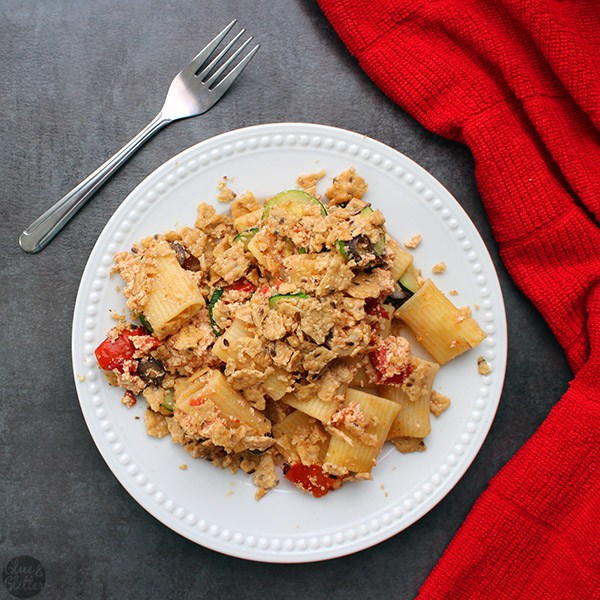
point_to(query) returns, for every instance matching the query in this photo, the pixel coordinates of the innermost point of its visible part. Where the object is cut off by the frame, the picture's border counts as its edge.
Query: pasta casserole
(270, 339)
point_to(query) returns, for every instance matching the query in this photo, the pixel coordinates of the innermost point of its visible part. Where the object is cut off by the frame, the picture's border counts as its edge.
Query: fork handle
(45, 227)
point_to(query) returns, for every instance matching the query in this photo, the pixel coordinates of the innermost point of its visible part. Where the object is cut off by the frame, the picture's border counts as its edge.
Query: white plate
(216, 508)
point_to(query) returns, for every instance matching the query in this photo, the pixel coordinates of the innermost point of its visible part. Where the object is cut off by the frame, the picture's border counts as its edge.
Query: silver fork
(196, 89)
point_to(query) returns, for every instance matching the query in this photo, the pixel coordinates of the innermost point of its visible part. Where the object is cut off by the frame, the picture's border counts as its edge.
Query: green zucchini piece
(169, 401)
(273, 300)
(292, 201)
(146, 324)
(216, 296)
(379, 245)
(398, 297)
(408, 282)
(246, 236)
(342, 248)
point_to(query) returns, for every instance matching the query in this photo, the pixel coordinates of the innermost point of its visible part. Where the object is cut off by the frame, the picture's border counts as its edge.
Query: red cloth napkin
(518, 81)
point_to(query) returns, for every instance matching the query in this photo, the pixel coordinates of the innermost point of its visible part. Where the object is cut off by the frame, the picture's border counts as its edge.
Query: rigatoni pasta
(271, 340)
(442, 329)
(278, 383)
(173, 298)
(414, 398)
(360, 431)
(413, 416)
(313, 407)
(224, 344)
(301, 438)
(211, 385)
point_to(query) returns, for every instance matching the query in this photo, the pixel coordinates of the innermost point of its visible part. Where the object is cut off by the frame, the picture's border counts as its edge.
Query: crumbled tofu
(183, 467)
(464, 313)
(128, 399)
(265, 477)
(439, 268)
(309, 182)
(156, 424)
(81, 378)
(225, 193)
(346, 186)
(231, 264)
(408, 444)
(245, 204)
(335, 470)
(438, 403)
(414, 241)
(392, 358)
(143, 344)
(482, 366)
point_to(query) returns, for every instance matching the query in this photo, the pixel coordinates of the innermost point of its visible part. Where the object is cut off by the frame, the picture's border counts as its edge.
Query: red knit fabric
(518, 81)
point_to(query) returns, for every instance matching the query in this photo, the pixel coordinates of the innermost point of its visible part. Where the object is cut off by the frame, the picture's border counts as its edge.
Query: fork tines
(206, 67)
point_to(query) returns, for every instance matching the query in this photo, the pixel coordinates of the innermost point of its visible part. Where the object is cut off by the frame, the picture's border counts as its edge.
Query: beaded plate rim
(375, 527)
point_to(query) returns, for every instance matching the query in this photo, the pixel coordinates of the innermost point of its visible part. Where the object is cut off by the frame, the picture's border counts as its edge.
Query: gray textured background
(77, 79)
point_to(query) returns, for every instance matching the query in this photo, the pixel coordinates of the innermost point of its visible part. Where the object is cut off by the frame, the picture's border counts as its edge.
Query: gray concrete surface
(77, 79)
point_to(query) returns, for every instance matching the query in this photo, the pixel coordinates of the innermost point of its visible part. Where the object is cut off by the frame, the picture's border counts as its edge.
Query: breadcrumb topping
(414, 241)
(309, 182)
(438, 403)
(482, 366)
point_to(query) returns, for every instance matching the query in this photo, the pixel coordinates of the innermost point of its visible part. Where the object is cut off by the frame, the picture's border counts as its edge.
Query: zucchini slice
(398, 297)
(359, 246)
(342, 248)
(408, 282)
(246, 236)
(146, 324)
(169, 401)
(216, 296)
(292, 201)
(273, 300)
(379, 246)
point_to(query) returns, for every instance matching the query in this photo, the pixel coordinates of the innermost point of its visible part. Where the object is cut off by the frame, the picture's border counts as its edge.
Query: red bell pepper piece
(310, 478)
(111, 354)
(374, 308)
(379, 359)
(242, 285)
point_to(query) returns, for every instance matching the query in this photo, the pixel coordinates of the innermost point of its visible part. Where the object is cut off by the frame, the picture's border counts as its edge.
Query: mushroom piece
(362, 251)
(151, 371)
(186, 260)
